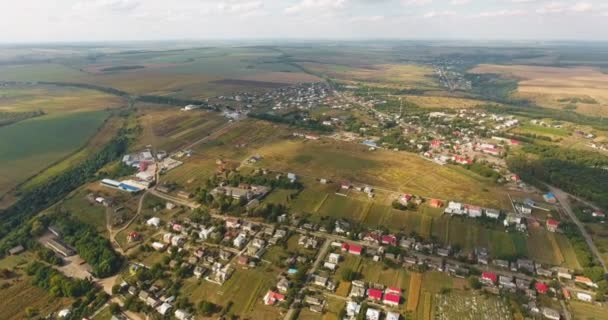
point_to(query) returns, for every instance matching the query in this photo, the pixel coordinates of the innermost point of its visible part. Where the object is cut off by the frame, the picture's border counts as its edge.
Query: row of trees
(94, 249)
(56, 283)
(41, 197)
(7, 118)
(577, 172)
(293, 119)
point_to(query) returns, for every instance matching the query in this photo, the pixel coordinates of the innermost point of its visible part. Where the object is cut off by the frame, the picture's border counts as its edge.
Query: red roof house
(541, 287)
(435, 203)
(393, 290)
(392, 299)
(552, 225)
(355, 249)
(489, 277)
(272, 297)
(389, 239)
(374, 294)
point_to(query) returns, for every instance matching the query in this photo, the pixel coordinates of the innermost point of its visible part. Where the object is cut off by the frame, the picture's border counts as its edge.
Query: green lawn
(30, 146)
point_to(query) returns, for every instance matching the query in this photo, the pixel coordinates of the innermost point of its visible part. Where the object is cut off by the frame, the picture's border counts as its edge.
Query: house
(372, 314)
(454, 208)
(492, 213)
(199, 271)
(550, 197)
(374, 294)
(292, 177)
(314, 301)
(585, 281)
(541, 287)
(392, 299)
(283, 285)
(389, 240)
(566, 294)
(544, 272)
(443, 252)
(357, 290)
(584, 297)
(333, 258)
(164, 308)
(598, 214)
(506, 282)
(404, 199)
(473, 211)
(522, 208)
(355, 249)
(205, 233)
(435, 203)
(320, 280)
(551, 314)
(182, 315)
(352, 309)
(330, 266)
(232, 223)
(525, 264)
(564, 273)
(239, 241)
(489, 278)
(64, 313)
(271, 298)
(242, 260)
(16, 250)
(407, 243)
(552, 225)
(133, 236)
(392, 316)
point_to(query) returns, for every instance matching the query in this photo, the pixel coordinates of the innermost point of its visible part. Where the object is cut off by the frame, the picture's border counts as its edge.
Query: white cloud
(116, 6)
(416, 2)
(460, 2)
(243, 8)
(305, 5)
(563, 7)
(499, 13)
(367, 19)
(435, 14)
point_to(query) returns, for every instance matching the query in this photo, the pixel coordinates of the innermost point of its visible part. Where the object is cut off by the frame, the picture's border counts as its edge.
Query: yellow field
(53, 100)
(547, 85)
(444, 102)
(384, 75)
(397, 171)
(414, 291)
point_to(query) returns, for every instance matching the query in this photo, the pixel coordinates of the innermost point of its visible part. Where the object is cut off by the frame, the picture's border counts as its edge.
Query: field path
(562, 197)
(413, 296)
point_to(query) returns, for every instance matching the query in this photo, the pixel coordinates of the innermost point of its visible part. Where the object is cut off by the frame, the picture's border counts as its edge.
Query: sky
(129, 20)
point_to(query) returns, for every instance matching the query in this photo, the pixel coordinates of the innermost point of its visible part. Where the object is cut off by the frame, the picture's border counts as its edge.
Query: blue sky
(94, 20)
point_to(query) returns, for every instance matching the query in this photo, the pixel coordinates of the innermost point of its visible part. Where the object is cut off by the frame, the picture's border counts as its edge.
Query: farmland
(385, 75)
(584, 88)
(31, 145)
(401, 172)
(20, 294)
(245, 289)
(586, 311)
(192, 73)
(462, 305)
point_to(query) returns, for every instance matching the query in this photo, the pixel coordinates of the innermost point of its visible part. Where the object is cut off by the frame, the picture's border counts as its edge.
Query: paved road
(562, 197)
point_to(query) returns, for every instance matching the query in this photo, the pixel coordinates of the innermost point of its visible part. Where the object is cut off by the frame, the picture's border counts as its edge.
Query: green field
(191, 73)
(587, 311)
(30, 146)
(20, 294)
(245, 289)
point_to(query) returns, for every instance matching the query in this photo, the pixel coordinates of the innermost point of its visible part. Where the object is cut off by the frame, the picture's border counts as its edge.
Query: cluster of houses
(244, 244)
(155, 297)
(353, 310)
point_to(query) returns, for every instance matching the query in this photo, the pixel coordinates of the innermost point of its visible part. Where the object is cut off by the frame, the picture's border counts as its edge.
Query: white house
(584, 297)
(239, 241)
(372, 314)
(153, 222)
